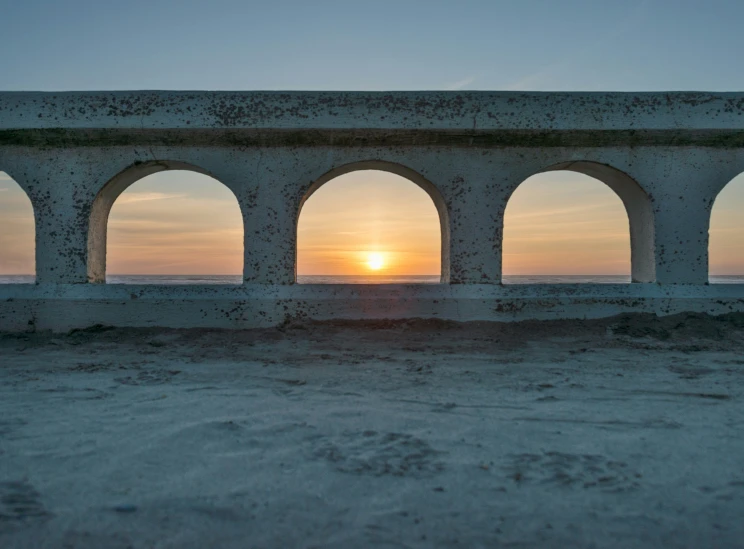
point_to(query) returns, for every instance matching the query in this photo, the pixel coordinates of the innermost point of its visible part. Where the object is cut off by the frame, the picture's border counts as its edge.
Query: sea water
(362, 279)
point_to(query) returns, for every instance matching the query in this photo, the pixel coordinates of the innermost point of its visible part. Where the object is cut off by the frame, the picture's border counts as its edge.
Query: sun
(375, 261)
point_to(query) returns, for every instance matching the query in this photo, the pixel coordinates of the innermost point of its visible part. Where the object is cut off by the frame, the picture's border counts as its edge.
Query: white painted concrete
(63, 307)
(459, 110)
(667, 156)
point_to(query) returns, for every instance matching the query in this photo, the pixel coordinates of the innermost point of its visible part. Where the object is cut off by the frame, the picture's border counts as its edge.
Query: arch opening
(165, 223)
(17, 234)
(372, 223)
(726, 235)
(578, 222)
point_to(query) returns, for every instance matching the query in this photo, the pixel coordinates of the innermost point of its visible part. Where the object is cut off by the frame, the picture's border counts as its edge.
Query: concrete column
(57, 185)
(475, 228)
(681, 243)
(270, 203)
(684, 190)
(476, 199)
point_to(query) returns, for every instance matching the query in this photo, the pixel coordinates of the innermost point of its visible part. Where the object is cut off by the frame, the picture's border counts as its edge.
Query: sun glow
(375, 261)
(368, 223)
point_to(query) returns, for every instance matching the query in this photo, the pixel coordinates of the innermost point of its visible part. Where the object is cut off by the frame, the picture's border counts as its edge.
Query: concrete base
(64, 307)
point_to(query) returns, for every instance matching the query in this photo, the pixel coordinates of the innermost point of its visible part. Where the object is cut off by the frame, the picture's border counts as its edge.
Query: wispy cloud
(460, 84)
(146, 197)
(539, 79)
(548, 77)
(526, 212)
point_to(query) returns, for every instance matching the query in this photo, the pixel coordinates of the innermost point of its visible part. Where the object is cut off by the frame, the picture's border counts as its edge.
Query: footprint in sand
(573, 471)
(20, 501)
(152, 377)
(378, 454)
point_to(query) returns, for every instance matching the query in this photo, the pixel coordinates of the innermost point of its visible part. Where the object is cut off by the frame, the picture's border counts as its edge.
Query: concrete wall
(667, 156)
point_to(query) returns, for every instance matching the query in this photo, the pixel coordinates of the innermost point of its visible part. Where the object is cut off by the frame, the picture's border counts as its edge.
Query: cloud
(549, 76)
(610, 207)
(460, 84)
(129, 198)
(539, 79)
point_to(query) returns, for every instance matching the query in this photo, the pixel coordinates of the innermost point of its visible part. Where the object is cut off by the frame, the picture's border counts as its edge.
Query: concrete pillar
(476, 200)
(270, 201)
(681, 243)
(57, 184)
(475, 229)
(684, 190)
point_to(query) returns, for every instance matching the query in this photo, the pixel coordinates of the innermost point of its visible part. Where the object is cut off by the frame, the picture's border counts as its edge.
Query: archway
(372, 222)
(726, 235)
(578, 222)
(165, 223)
(17, 234)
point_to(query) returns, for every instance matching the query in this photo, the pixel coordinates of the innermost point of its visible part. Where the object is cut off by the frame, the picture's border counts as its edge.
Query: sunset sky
(184, 223)
(365, 213)
(565, 223)
(175, 223)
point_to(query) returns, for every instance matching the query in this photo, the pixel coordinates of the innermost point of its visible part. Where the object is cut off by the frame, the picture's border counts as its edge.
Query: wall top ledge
(432, 111)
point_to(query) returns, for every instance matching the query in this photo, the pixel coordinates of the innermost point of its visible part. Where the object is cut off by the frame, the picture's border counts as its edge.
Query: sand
(624, 432)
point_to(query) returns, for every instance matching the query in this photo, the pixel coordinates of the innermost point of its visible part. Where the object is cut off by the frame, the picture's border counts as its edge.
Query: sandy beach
(625, 432)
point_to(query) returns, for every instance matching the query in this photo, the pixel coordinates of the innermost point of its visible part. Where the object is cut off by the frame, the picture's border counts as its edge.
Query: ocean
(363, 279)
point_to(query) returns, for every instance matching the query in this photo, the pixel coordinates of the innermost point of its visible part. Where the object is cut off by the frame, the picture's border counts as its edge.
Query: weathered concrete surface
(666, 155)
(66, 307)
(682, 112)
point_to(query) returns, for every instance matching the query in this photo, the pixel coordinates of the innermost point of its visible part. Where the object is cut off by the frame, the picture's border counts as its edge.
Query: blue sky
(381, 45)
(600, 45)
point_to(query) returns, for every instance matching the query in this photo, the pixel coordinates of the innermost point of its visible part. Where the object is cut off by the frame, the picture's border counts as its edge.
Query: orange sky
(175, 223)
(368, 212)
(187, 223)
(565, 223)
(726, 247)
